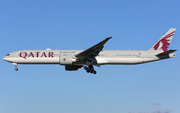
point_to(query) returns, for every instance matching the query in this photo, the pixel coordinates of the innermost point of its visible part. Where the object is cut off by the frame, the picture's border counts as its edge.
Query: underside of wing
(93, 51)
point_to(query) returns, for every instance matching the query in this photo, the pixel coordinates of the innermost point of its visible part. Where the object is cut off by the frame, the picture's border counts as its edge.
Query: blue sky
(79, 24)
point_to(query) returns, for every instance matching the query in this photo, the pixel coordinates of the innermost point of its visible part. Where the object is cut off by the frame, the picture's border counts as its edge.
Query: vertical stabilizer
(164, 42)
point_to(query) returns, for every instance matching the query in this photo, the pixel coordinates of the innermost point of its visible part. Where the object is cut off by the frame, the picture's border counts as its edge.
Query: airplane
(95, 55)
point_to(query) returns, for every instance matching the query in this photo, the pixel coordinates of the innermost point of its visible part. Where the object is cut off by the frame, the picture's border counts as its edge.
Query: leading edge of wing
(94, 50)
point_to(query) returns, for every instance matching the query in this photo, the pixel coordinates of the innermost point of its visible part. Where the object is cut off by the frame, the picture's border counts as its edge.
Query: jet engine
(72, 67)
(66, 60)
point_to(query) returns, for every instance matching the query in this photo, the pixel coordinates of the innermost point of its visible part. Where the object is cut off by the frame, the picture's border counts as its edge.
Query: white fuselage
(95, 55)
(122, 57)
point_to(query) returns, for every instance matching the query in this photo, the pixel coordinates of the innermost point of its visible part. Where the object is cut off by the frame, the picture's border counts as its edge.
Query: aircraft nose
(5, 58)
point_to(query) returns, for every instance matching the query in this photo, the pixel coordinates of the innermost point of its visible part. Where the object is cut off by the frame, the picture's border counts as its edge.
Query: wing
(92, 52)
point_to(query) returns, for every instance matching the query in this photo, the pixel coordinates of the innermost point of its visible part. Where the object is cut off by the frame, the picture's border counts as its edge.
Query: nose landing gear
(90, 69)
(15, 64)
(16, 69)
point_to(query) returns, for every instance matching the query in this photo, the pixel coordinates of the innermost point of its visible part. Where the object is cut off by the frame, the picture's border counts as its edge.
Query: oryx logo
(164, 42)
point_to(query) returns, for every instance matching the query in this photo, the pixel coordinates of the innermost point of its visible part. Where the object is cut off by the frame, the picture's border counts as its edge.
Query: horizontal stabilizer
(166, 52)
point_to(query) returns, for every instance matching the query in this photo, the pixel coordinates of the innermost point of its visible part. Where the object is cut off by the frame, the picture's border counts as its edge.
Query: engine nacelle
(72, 67)
(66, 60)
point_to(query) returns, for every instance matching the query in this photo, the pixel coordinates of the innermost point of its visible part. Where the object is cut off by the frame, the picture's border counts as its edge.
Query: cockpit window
(7, 55)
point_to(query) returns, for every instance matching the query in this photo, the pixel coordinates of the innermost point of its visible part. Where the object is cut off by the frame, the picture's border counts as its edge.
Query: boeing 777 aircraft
(95, 55)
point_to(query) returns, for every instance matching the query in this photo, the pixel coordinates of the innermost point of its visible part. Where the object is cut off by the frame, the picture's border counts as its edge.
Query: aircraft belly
(126, 61)
(36, 60)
